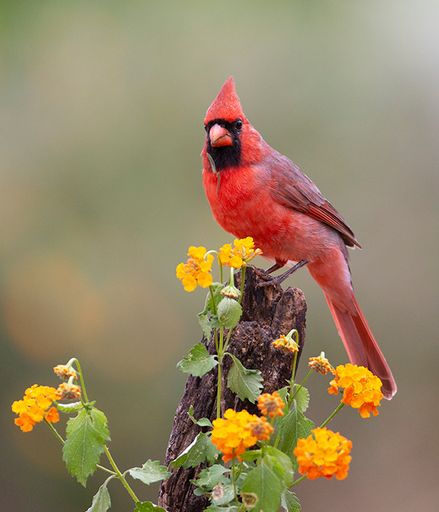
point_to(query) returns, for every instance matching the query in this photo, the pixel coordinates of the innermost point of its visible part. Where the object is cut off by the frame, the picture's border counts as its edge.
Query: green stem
(213, 300)
(220, 352)
(334, 412)
(120, 476)
(298, 480)
(235, 495)
(221, 270)
(84, 397)
(61, 440)
(293, 376)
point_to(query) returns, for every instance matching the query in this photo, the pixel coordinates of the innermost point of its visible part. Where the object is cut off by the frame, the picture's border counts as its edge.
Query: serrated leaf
(207, 323)
(206, 318)
(152, 471)
(229, 312)
(225, 496)
(209, 477)
(101, 500)
(267, 486)
(280, 463)
(87, 434)
(216, 508)
(245, 383)
(291, 427)
(200, 450)
(301, 397)
(198, 361)
(148, 506)
(290, 502)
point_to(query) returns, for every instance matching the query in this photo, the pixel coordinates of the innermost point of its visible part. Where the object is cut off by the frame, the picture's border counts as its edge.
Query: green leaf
(152, 471)
(290, 502)
(216, 508)
(229, 312)
(222, 494)
(202, 422)
(280, 463)
(101, 500)
(70, 408)
(264, 482)
(291, 427)
(245, 383)
(147, 506)
(301, 397)
(198, 361)
(200, 450)
(87, 434)
(209, 477)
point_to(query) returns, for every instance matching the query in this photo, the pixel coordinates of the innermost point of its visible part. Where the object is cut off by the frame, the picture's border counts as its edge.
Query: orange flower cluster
(286, 344)
(237, 431)
(197, 271)
(238, 255)
(320, 364)
(323, 453)
(35, 407)
(64, 372)
(362, 389)
(68, 391)
(271, 404)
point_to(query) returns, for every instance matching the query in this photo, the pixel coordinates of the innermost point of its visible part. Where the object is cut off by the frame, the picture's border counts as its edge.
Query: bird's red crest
(226, 105)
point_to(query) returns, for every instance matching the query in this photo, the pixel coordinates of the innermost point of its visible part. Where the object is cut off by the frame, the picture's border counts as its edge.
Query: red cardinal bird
(255, 191)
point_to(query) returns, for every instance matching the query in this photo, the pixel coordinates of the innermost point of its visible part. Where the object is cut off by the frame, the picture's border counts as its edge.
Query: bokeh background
(101, 108)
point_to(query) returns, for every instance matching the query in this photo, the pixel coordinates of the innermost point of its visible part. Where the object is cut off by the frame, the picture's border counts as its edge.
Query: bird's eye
(238, 124)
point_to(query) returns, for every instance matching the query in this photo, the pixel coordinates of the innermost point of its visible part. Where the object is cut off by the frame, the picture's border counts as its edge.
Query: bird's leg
(281, 278)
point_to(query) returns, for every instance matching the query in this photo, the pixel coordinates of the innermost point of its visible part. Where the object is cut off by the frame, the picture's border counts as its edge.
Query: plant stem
(298, 480)
(293, 376)
(61, 440)
(84, 397)
(334, 412)
(120, 476)
(232, 474)
(213, 300)
(220, 352)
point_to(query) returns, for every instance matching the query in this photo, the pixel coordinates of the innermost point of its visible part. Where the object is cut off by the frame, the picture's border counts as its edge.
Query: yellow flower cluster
(237, 431)
(35, 407)
(323, 453)
(286, 344)
(238, 255)
(271, 404)
(320, 364)
(197, 271)
(362, 389)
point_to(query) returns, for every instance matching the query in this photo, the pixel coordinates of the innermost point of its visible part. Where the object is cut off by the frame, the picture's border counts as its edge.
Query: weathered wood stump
(268, 311)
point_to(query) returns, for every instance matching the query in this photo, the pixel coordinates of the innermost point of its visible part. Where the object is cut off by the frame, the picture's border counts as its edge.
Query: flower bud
(229, 312)
(231, 292)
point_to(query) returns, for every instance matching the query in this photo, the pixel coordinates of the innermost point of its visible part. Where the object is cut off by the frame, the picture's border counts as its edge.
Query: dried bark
(268, 311)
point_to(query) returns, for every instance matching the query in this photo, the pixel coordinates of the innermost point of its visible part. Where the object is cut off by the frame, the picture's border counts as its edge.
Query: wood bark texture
(268, 312)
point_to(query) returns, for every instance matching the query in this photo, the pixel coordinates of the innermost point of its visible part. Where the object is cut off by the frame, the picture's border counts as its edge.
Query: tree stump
(268, 311)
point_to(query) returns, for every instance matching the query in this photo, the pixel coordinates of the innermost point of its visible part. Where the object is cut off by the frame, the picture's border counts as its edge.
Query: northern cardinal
(255, 191)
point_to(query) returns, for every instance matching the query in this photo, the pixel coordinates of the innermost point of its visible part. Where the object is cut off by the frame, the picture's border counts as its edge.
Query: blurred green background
(101, 109)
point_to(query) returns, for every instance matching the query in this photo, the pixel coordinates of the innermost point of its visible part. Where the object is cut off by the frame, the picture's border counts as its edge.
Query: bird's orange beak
(220, 137)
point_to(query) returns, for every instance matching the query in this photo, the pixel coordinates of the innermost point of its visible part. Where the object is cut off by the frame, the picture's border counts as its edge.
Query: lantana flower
(323, 454)
(65, 372)
(36, 406)
(320, 364)
(197, 271)
(286, 344)
(271, 404)
(239, 254)
(362, 389)
(237, 431)
(69, 391)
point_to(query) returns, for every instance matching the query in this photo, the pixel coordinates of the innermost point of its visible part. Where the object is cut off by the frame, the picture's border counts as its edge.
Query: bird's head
(227, 128)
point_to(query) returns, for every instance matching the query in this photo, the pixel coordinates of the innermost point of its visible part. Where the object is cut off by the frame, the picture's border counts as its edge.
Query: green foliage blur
(101, 109)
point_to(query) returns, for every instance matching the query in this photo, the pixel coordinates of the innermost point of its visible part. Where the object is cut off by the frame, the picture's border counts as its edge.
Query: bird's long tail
(361, 345)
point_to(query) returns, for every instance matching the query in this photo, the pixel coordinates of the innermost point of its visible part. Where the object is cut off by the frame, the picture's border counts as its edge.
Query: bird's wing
(293, 189)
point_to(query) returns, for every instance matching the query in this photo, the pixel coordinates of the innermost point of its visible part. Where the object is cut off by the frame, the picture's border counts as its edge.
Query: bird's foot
(277, 280)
